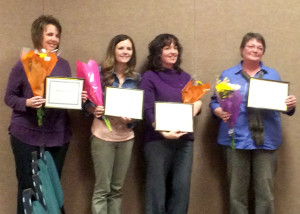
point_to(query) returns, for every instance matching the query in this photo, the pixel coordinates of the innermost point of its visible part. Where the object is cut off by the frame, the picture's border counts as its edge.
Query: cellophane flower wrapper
(230, 101)
(92, 83)
(193, 91)
(37, 66)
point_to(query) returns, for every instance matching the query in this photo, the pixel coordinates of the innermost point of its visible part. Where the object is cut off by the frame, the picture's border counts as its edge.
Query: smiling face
(169, 55)
(123, 51)
(51, 37)
(253, 50)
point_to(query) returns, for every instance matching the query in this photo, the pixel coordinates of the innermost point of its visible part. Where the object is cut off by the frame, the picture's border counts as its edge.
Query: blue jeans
(258, 165)
(168, 176)
(111, 162)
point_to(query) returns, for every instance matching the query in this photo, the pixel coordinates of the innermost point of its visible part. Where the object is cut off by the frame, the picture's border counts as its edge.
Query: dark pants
(256, 165)
(168, 176)
(22, 153)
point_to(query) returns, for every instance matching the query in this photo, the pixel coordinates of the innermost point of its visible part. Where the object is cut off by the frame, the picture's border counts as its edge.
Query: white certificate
(267, 94)
(124, 102)
(63, 92)
(171, 116)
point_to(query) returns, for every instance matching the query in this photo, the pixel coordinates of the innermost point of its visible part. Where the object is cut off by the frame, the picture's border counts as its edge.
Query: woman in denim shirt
(111, 150)
(257, 133)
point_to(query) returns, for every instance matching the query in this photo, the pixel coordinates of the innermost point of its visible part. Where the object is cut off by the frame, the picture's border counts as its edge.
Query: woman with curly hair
(168, 155)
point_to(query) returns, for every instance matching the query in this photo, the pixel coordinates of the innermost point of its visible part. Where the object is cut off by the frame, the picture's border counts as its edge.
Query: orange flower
(193, 91)
(37, 66)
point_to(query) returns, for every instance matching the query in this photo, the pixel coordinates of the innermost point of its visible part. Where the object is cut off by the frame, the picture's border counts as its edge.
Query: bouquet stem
(231, 133)
(107, 122)
(40, 113)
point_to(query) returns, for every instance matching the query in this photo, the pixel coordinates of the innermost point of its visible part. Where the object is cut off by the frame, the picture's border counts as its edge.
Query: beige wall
(210, 32)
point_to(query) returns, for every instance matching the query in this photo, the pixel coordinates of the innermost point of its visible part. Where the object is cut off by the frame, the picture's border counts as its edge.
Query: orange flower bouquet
(193, 91)
(37, 66)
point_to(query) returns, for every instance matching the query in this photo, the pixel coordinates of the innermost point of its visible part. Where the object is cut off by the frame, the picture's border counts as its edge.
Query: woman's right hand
(99, 111)
(35, 102)
(172, 134)
(222, 114)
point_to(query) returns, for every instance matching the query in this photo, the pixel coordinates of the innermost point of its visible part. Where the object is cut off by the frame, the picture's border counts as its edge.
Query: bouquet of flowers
(193, 91)
(230, 101)
(92, 84)
(37, 66)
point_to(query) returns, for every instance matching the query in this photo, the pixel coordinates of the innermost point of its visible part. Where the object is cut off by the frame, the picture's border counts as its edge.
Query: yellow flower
(223, 86)
(42, 55)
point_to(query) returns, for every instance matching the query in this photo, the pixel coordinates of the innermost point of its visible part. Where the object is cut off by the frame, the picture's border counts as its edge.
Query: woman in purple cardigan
(26, 135)
(168, 155)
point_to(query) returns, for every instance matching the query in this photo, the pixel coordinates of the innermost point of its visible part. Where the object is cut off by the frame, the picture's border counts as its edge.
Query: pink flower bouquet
(92, 83)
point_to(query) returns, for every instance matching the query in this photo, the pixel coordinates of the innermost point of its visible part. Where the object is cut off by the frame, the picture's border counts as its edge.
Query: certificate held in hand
(267, 94)
(123, 102)
(63, 92)
(171, 116)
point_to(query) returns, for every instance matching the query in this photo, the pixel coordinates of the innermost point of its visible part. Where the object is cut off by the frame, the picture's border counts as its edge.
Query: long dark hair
(108, 65)
(155, 50)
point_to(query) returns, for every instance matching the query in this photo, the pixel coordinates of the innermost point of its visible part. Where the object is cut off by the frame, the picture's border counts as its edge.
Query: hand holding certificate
(173, 117)
(268, 94)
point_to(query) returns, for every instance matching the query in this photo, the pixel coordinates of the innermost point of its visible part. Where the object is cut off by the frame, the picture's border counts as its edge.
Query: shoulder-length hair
(108, 65)
(155, 50)
(38, 26)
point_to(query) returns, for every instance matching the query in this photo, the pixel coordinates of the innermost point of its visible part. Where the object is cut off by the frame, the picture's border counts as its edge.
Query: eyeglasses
(253, 47)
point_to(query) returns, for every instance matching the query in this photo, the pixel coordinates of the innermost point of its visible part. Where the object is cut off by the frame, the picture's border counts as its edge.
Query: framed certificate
(124, 102)
(267, 94)
(171, 116)
(63, 92)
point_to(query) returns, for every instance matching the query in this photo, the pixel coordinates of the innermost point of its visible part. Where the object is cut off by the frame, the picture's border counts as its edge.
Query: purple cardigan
(161, 86)
(56, 129)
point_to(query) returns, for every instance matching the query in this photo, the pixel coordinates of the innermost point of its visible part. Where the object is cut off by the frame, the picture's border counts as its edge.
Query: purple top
(163, 86)
(55, 130)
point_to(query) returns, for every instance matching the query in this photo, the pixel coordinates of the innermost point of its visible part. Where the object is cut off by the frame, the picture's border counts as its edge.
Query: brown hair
(108, 65)
(38, 27)
(155, 50)
(250, 36)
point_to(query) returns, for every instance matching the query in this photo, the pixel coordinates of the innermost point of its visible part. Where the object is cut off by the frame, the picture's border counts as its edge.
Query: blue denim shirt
(272, 122)
(128, 83)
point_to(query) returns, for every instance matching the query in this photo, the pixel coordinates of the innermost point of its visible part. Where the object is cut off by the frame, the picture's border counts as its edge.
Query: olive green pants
(111, 162)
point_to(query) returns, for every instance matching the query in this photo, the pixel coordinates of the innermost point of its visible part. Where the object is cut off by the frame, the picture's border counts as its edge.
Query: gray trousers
(111, 162)
(244, 165)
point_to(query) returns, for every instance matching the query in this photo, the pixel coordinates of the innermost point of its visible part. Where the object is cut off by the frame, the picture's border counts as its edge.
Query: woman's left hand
(290, 102)
(197, 107)
(84, 96)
